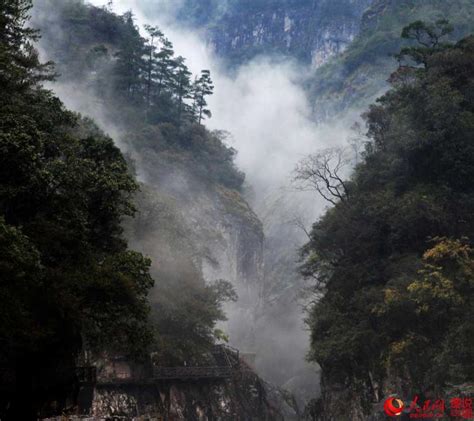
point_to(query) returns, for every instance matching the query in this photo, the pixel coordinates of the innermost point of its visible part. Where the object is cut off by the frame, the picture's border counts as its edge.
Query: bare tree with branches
(323, 172)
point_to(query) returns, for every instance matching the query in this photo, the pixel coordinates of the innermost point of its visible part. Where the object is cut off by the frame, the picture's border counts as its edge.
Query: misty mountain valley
(236, 210)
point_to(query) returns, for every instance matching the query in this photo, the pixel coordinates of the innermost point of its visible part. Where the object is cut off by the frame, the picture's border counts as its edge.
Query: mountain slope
(187, 170)
(358, 75)
(393, 257)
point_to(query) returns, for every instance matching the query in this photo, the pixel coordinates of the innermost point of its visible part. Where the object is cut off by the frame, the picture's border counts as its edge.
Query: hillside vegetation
(71, 287)
(394, 257)
(68, 280)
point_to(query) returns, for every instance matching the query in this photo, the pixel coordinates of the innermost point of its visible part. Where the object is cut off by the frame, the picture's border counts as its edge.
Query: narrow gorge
(236, 210)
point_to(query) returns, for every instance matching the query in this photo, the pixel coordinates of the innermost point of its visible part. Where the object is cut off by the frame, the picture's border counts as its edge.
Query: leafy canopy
(393, 259)
(67, 278)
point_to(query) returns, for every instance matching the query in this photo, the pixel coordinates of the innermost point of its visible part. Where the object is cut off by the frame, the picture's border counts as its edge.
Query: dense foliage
(67, 277)
(393, 257)
(142, 87)
(68, 282)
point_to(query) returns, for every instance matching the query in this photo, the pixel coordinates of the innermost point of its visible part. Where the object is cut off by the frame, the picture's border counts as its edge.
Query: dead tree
(324, 172)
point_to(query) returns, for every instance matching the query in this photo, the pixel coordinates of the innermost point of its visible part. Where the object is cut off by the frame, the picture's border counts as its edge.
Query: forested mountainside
(357, 76)
(194, 221)
(68, 279)
(309, 30)
(133, 79)
(69, 196)
(393, 257)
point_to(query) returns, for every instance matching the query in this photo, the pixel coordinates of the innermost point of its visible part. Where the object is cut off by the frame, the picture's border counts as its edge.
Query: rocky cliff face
(237, 256)
(307, 31)
(122, 394)
(227, 235)
(246, 398)
(243, 399)
(312, 30)
(375, 12)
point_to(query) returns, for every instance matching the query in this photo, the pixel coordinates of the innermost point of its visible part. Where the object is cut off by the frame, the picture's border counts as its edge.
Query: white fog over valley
(263, 106)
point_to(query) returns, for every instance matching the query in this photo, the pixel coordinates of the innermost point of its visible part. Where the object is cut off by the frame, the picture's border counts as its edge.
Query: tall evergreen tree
(182, 85)
(165, 65)
(151, 63)
(19, 61)
(130, 61)
(203, 87)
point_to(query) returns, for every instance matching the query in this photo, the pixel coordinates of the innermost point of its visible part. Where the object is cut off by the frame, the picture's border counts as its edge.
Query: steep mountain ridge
(174, 163)
(309, 30)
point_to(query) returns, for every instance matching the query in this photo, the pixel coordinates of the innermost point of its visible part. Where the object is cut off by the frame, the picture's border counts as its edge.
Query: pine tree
(182, 85)
(130, 60)
(20, 67)
(164, 65)
(202, 87)
(151, 64)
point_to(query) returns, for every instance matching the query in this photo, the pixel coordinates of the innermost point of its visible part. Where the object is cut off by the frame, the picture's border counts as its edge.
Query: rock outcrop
(311, 30)
(127, 391)
(226, 236)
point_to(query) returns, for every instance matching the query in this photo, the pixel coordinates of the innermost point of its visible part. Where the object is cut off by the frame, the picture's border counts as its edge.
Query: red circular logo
(393, 407)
